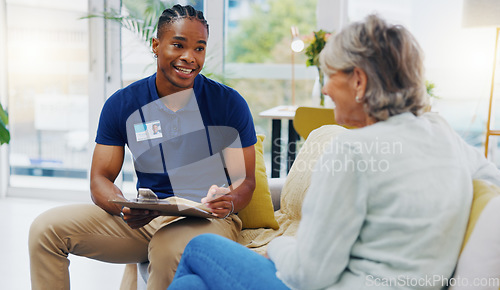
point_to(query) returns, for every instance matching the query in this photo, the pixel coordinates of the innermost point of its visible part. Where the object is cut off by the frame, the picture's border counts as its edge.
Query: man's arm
(107, 162)
(106, 165)
(240, 164)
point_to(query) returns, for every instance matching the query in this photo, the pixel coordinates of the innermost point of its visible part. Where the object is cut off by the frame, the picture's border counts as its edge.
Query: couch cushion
(479, 263)
(259, 213)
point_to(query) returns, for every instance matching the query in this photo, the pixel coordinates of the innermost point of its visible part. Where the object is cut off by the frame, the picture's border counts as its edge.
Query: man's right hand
(137, 218)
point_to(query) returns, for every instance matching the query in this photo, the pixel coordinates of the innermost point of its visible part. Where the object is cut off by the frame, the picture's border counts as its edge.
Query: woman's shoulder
(435, 118)
(395, 130)
(402, 123)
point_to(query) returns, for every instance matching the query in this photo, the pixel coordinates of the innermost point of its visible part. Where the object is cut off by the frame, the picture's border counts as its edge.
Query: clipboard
(170, 206)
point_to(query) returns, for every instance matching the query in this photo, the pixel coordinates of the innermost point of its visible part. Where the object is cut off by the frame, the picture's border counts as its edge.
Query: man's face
(181, 55)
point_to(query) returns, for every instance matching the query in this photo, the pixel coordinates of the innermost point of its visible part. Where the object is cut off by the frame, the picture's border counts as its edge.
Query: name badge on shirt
(147, 131)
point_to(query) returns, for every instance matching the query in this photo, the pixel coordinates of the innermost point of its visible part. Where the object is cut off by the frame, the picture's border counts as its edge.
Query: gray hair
(392, 60)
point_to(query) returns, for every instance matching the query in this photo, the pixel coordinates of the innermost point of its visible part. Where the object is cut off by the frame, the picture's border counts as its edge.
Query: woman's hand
(137, 218)
(219, 201)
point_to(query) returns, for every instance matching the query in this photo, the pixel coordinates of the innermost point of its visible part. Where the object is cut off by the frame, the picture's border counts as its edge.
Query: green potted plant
(430, 86)
(316, 43)
(4, 121)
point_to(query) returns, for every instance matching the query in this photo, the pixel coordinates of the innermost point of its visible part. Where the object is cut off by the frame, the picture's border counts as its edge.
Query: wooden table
(277, 114)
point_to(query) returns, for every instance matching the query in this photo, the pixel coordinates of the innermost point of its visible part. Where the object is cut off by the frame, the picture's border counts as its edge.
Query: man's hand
(137, 218)
(219, 201)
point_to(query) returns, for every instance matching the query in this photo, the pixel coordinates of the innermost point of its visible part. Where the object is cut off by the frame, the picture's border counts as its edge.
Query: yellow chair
(308, 119)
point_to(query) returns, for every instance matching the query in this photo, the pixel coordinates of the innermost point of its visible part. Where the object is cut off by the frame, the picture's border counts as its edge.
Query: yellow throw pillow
(259, 213)
(484, 192)
(479, 259)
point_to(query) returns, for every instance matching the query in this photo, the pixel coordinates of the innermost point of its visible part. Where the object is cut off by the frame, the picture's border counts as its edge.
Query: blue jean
(213, 262)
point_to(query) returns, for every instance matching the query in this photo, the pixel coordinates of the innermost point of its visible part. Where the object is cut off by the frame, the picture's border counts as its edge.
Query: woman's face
(343, 88)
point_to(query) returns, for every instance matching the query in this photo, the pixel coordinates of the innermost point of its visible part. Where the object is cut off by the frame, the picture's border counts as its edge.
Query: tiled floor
(16, 215)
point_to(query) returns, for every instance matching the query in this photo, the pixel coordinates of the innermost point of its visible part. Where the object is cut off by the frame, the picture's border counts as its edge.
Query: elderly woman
(393, 210)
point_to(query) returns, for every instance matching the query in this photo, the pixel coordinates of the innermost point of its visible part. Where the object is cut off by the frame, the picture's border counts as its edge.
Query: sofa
(282, 202)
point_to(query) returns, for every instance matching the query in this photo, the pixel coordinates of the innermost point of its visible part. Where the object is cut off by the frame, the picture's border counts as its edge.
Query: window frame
(4, 156)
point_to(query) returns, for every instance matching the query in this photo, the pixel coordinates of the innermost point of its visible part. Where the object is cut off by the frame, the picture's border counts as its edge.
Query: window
(258, 57)
(47, 52)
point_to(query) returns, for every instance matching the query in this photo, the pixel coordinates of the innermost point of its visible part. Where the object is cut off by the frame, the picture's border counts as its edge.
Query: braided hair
(179, 12)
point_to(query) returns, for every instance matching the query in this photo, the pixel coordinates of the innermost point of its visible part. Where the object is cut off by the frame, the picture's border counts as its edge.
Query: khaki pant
(87, 230)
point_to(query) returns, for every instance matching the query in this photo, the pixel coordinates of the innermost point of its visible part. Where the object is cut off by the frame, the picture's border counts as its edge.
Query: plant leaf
(4, 116)
(4, 133)
(140, 17)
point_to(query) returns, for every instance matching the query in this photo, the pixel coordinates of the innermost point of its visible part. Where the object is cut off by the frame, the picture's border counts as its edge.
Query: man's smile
(183, 70)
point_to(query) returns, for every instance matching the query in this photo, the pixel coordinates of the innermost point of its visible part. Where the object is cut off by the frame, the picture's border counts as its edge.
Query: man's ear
(155, 41)
(359, 81)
